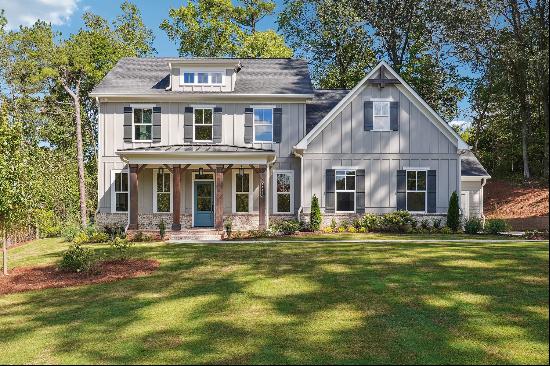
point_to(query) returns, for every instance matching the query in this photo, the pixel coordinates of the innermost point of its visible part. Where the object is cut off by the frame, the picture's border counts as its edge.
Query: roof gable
(405, 88)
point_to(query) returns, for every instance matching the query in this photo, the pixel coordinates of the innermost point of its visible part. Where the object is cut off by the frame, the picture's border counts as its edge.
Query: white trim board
(405, 89)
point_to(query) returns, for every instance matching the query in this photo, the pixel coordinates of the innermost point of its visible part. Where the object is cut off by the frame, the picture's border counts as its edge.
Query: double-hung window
(416, 190)
(216, 78)
(381, 116)
(189, 78)
(263, 124)
(143, 124)
(203, 124)
(120, 192)
(283, 202)
(202, 78)
(345, 190)
(242, 191)
(162, 200)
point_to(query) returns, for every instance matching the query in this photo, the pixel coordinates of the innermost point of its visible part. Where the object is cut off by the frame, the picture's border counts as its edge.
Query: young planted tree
(315, 217)
(453, 213)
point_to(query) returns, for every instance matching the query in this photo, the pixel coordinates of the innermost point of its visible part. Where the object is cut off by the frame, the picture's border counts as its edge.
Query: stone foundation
(241, 222)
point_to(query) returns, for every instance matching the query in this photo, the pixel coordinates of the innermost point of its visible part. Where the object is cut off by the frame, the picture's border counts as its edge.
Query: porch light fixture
(201, 171)
(241, 171)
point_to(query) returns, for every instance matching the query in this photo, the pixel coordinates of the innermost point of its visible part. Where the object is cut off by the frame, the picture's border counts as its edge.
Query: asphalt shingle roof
(322, 103)
(470, 166)
(134, 75)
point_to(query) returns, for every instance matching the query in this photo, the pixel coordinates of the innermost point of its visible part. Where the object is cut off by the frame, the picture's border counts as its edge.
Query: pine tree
(453, 214)
(315, 214)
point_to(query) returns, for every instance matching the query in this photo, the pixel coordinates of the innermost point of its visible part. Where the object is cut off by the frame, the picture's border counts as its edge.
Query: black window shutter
(360, 191)
(368, 108)
(394, 116)
(401, 189)
(217, 128)
(156, 124)
(128, 124)
(432, 188)
(277, 124)
(248, 125)
(330, 188)
(188, 124)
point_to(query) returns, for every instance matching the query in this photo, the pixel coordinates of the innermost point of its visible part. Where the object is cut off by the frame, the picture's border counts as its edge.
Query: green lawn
(292, 303)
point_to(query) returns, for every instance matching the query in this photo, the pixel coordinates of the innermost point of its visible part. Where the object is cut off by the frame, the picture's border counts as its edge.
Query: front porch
(197, 186)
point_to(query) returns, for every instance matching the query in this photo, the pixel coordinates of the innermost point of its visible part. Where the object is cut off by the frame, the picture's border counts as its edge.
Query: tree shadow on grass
(303, 303)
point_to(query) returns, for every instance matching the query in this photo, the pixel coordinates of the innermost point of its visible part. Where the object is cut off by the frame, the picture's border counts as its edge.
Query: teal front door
(204, 204)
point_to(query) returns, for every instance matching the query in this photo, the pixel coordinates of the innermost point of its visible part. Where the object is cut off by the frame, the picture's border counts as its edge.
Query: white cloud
(26, 12)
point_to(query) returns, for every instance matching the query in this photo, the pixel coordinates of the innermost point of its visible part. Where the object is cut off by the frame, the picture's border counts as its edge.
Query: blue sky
(66, 16)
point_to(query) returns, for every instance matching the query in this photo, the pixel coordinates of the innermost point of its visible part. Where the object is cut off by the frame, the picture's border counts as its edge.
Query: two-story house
(195, 142)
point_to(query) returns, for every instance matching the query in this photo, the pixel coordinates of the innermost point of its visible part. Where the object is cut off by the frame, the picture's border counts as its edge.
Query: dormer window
(202, 78)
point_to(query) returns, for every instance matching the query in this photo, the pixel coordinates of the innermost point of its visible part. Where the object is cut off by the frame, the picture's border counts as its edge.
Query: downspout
(268, 189)
(301, 208)
(169, 87)
(483, 182)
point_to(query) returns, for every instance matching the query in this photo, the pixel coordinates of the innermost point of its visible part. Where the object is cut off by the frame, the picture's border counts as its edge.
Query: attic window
(381, 116)
(201, 78)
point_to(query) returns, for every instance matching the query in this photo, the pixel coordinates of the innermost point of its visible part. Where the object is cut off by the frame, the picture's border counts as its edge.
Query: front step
(193, 235)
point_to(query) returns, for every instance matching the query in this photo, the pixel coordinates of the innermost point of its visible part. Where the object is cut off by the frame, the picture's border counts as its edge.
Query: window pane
(421, 180)
(263, 116)
(381, 108)
(142, 132)
(264, 133)
(124, 181)
(340, 182)
(241, 202)
(189, 77)
(163, 202)
(283, 202)
(159, 182)
(208, 116)
(344, 201)
(381, 123)
(411, 180)
(166, 181)
(137, 115)
(148, 116)
(242, 182)
(416, 201)
(204, 204)
(118, 183)
(199, 116)
(216, 77)
(204, 190)
(202, 78)
(283, 183)
(350, 182)
(121, 202)
(203, 133)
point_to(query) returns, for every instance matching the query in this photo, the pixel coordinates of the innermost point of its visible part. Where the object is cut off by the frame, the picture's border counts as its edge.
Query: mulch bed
(36, 278)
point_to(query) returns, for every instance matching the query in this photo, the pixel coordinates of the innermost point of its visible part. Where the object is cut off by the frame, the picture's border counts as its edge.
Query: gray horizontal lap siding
(417, 143)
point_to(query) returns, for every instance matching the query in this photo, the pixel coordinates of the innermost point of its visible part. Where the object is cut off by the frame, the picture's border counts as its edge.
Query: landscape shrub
(315, 217)
(140, 236)
(371, 222)
(259, 233)
(228, 226)
(357, 223)
(48, 224)
(286, 227)
(453, 213)
(114, 231)
(162, 229)
(495, 226)
(352, 229)
(78, 259)
(446, 230)
(333, 225)
(436, 223)
(69, 231)
(90, 235)
(305, 227)
(398, 221)
(473, 225)
(425, 224)
(121, 248)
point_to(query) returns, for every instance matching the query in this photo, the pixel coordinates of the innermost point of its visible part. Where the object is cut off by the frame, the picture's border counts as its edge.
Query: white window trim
(410, 169)
(262, 124)
(114, 192)
(382, 100)
(276, 194)
(155, 208)
(344, 191)
(196, 77)
(234, 173)
(211, 124)
(141, 106)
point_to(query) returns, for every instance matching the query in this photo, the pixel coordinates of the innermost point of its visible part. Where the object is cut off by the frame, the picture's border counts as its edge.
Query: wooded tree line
(45, 78)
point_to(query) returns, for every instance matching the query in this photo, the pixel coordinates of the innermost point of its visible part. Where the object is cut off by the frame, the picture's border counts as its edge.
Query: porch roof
(197, 154)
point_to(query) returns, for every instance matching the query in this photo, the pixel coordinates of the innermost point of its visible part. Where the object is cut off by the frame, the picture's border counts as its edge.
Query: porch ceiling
(197, 154)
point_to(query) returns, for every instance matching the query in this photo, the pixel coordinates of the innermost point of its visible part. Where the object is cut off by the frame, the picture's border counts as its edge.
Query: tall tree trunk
(75, 95)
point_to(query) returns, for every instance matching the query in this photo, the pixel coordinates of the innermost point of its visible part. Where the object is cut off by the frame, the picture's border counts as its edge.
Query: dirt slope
(525, 207)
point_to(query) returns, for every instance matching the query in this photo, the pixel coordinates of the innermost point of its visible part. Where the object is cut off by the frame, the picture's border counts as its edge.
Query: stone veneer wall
(146, 221)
